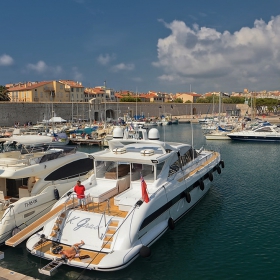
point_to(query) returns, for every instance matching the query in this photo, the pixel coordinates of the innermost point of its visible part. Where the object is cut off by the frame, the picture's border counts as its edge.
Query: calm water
(232, 234)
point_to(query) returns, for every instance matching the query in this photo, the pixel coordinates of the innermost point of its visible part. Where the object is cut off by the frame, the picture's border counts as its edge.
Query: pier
(7, 274)
(91, 142)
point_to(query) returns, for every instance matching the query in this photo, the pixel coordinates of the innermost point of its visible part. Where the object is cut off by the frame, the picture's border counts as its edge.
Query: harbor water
(231, 234)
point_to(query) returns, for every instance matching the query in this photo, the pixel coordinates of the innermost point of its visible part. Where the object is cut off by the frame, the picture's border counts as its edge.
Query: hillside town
(74, 91)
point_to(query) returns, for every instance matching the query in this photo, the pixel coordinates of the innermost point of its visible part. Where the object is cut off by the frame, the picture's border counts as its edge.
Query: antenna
(105, 104)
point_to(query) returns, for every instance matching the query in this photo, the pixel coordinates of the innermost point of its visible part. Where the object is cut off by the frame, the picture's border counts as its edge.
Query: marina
(235, 225)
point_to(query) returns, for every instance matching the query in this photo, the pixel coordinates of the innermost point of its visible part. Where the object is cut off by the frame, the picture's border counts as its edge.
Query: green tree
(178, 100)
(129, 99)
(4, 94)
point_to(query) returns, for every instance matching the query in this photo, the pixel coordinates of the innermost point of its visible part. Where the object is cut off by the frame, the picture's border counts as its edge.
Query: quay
(7, 274)
(90, 142)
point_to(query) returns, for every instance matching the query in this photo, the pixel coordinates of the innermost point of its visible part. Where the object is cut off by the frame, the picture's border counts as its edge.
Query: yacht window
(159, 168)
(264, 129)
(71, 170)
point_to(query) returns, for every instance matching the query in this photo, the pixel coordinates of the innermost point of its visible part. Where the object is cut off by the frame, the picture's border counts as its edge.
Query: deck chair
(4, 200)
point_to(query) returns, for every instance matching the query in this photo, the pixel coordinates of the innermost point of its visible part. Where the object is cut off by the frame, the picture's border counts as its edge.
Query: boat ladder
(51, 268)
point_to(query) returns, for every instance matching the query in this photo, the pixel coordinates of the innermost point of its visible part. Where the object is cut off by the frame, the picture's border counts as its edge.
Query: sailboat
(218, 133)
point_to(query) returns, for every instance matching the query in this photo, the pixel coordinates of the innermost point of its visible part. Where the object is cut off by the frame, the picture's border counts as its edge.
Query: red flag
(145, 196)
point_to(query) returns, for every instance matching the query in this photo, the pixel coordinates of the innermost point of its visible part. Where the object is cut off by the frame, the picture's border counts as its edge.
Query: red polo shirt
(80, 191)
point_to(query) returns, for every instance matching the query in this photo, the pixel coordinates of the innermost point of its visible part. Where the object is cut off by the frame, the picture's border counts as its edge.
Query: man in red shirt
(80, 191)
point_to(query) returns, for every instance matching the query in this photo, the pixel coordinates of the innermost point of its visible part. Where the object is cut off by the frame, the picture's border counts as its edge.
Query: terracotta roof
(72, 83)
(28, 86)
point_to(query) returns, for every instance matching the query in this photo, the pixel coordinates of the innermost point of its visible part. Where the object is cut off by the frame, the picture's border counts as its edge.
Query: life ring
(147, 152)
(188, 197)
(119, 150)
(201, 185)
(222, 163)
(210, 175)
(171, 223)
(145, 251)
(218, 168)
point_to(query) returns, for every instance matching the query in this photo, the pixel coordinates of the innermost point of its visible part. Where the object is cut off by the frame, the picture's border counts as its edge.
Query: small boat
(208, 120)
(32, 178)
(140, 189)
(264, 133)
(217, 135)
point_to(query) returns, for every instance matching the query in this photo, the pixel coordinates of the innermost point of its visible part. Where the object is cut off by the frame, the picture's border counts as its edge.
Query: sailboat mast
(136, 104)
(219, 108)
(105, 104)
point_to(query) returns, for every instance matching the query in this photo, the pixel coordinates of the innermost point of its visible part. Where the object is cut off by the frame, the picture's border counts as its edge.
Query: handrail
(103, 215)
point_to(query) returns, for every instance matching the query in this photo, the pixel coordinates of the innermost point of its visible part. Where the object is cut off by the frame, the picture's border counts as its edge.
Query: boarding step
(108, 239)
(51, 268)
(114, 223)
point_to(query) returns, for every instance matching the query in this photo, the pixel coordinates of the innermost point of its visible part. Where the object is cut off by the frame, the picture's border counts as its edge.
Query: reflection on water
(231, 234)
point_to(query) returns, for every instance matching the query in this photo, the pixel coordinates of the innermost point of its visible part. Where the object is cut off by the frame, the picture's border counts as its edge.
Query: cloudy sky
(159, 45)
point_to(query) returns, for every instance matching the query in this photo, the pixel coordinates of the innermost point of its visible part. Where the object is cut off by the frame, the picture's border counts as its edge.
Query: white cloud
(122, 66)
(41, 67)
(78, 76)
(249, 57)
(6, 60)
(137, 79)
(105, 59)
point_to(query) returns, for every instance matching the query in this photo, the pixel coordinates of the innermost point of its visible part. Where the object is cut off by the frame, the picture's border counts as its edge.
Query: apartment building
(46, 91)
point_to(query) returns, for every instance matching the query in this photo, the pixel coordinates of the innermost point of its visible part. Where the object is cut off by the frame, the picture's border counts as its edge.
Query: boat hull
(255, 138)
(157, 217)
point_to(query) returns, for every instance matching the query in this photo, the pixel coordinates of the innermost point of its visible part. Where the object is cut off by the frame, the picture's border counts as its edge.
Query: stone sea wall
(11, 112)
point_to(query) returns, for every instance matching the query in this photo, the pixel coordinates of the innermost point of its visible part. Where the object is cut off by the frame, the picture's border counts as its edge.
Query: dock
(89, 142)
(7, 274)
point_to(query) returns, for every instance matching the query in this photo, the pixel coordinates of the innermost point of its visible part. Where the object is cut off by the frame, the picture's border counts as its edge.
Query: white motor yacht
(264, 133)
(32, 178)
(140, 188)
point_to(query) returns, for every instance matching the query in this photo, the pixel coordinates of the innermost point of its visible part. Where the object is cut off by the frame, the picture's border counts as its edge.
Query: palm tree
(4, 94)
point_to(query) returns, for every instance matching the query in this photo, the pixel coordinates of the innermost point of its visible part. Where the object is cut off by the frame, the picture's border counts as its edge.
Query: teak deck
(32, 228)
(91, 207)
(95, 257)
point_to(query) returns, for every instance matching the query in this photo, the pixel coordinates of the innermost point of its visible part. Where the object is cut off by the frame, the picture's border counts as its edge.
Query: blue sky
(159, 45)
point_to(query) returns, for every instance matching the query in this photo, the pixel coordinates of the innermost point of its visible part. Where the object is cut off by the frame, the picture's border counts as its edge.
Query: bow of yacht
(33, 178)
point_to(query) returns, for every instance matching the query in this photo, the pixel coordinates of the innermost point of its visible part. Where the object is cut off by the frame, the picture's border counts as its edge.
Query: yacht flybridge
(33, 177)
(140, 188)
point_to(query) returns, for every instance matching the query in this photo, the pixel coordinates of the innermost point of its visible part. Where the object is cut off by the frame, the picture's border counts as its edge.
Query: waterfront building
(188, 96)
(46, 91)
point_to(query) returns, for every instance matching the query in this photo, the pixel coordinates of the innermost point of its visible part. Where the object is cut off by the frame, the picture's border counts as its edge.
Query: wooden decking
(29, 230)
(103, 207)
(212, 158)
(94, 257)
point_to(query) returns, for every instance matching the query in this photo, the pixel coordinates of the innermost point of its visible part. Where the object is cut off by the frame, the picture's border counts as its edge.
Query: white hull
(125, 226)
(216, 136)
(33, 200)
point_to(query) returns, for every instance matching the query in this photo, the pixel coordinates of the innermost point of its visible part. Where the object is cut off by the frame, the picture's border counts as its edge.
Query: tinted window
(71, 170)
